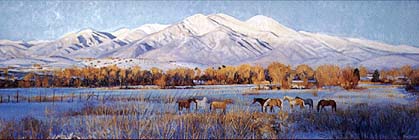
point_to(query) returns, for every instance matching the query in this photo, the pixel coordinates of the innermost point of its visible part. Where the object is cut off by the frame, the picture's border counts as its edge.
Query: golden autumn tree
(363, 71)
(123, 74)
(27, 80)
(135, 75)
(161, 82)
(258, 75)
(209, 75)
(45, 81)
(304, 72)
(348, 78)
(113, 74)
(156, 74)
(327, 75)
(280, 74)
(406, 70)
(414, 77)
(198, 73)
(226, 75)
(243, 71)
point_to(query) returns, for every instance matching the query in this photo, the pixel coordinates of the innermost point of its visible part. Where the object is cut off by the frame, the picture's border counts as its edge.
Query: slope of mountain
(215, 40)
(71, 43)
(13, 49)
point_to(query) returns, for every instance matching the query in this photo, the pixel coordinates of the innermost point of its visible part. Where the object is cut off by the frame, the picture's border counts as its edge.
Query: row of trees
(275, 73)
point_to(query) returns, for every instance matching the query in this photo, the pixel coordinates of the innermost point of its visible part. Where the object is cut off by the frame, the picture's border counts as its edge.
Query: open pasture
(377, 111)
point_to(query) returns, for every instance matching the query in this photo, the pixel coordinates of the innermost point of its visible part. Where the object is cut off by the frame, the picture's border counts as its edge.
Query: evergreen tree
(376, 76)
(356, 73)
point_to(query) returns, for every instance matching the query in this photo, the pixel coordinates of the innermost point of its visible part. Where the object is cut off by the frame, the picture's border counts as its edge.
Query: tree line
(274, 74)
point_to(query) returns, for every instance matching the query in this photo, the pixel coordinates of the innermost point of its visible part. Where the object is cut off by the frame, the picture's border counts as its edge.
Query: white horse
(202, 103)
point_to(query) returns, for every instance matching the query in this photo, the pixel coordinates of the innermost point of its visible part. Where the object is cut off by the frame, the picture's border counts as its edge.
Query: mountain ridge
(216, 39)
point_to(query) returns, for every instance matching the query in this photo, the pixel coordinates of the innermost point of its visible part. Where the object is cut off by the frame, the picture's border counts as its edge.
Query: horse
(202, 103)
(261, 101)
(186, 104)
(307, 101)
(323, 103)
(220, 104)
(294, 102)
(268, 102)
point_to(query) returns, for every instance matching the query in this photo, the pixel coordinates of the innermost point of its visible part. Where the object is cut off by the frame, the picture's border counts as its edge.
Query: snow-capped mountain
(71, 43)
(13, 49)
(138, 33)
(219, 39)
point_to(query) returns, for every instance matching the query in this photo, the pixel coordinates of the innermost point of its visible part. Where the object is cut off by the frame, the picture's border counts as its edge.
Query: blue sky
(394, 22)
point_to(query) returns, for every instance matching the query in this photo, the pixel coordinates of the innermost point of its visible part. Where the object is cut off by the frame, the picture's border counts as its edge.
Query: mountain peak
(195, 17)
(86, 31)
(120, 31)
(152, 28)
(265, 23)
(261, 18)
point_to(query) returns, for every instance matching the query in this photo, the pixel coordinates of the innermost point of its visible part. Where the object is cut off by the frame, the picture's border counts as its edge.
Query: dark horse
(323, 103)
(185, 104)
(261, 101)
(268, 102)
(307, 101)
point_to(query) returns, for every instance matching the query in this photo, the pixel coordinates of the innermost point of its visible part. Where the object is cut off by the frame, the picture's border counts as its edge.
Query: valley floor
(374, 111)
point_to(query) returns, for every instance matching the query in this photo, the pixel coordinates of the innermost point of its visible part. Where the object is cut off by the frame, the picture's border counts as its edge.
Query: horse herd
(264, 103)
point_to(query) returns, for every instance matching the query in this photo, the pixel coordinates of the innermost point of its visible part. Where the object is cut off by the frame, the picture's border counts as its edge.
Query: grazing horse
(323, 103)
(220, 104)
(185, 104)
(307, 101)
(294, 102)
(268, 102)
(202, 103)
(261, 101)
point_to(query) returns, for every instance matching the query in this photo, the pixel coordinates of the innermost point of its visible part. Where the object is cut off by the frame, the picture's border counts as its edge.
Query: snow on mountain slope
(221, 46)
(71, 43)
(219, 39)
(267, 24)
(386, 47)
(226, 40)
(145, 64)
(194, 28)
(152, 28)
(389, 61)
(45, 62)
(13, 49)
(138, 33)
(121, 32)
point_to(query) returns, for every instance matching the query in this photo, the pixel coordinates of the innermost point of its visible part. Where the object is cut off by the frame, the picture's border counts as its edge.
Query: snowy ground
(156, 101)
(143, 63)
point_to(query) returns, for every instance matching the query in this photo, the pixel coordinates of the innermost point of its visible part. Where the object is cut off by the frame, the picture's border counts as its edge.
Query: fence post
(72, 96)
(53, 96)
(17, 96)
(79, 96)
(29, 99)
(8, 98)
(1, 99)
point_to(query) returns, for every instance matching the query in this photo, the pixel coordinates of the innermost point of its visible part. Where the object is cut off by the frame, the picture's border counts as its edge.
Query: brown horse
(323, 103)
(185, 104)
(220, 104)
(268, 102)
(293, 102)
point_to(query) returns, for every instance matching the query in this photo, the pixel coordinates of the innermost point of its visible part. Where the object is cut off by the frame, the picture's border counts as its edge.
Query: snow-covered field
(149, 105)
(143, 63)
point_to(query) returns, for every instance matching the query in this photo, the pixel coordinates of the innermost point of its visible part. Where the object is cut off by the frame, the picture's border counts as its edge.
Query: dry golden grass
(133, 119)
